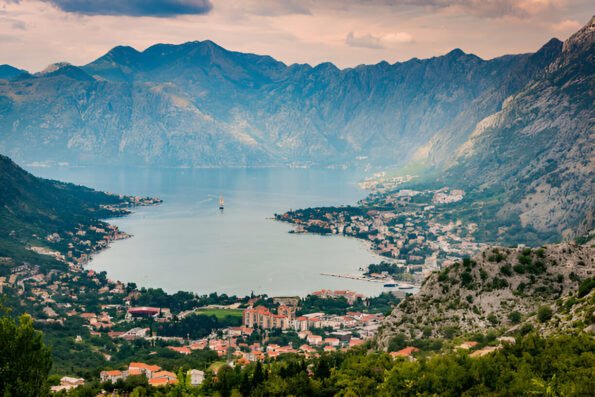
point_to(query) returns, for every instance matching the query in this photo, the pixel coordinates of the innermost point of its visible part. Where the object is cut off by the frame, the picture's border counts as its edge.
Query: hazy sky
(35, 33)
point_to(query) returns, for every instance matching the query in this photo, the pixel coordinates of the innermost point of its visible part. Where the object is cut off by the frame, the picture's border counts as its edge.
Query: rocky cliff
(501, 289)
(537, 153)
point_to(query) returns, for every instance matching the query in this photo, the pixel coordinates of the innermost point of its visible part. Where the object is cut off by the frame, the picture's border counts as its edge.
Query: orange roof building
(406, 352)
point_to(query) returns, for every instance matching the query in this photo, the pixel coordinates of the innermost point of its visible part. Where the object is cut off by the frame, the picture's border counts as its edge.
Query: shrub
(526, 328)
(520, 269)
(506, 270)
(443, 276)
(450, 331)
(466, 279)
(544, 313)
(499, 283)
(586, 286)
(514, 317)
(493, 319)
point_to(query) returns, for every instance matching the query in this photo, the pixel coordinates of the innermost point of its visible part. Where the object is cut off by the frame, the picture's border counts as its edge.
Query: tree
(25, 361)
(258, 376)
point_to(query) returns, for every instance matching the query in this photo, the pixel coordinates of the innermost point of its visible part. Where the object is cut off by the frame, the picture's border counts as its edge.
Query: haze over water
(188, 244)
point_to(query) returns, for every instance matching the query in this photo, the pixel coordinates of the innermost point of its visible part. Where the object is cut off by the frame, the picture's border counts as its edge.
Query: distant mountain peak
(457, 52)
(123, 50)
(8, 72)
(67, 70)
(54, 67)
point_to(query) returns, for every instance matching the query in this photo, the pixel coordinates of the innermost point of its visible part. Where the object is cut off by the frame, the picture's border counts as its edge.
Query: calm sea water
(188, 244)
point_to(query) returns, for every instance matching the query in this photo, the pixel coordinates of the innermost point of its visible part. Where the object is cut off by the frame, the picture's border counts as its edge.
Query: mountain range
(200, 105)
(516, 132)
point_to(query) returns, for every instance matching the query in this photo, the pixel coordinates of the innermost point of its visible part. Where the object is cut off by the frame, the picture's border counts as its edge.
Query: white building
(196, 377)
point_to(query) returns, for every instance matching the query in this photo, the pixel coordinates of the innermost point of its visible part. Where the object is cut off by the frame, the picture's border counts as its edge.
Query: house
(355, 342)
(142, 368)
(196, 377)
(182, 350)
(406, 352)
(332, 342)
(199, 345)
(467, 345)
(68, 383)
(307, 348)
(314, 340)
(158, 382)
(304, 334)
(112, 376)
(300, 324)
(164, 374)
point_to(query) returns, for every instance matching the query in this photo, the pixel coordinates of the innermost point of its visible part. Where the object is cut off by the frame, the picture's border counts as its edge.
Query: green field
(221, 313)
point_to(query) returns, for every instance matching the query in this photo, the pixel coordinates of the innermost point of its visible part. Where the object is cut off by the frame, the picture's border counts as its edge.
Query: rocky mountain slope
(502, 288)
(537, 154)
(198, 104)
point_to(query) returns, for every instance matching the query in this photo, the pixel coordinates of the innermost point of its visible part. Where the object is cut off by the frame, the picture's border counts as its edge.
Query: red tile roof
(406, 352)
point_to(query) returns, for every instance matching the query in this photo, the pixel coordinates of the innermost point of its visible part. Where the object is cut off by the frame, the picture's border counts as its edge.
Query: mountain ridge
(537, 151)
(198, 104)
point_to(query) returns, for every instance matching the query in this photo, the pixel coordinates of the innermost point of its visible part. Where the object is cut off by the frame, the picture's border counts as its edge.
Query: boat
(221, 203)
(390, 285)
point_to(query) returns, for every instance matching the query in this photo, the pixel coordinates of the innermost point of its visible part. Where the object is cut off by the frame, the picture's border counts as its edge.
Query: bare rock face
(482, 293)
(537, 153)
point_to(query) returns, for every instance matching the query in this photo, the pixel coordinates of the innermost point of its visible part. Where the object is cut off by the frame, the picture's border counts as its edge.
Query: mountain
(501, 289)
(33, 208)
(8, 72)
(198, 104)
(533, 160)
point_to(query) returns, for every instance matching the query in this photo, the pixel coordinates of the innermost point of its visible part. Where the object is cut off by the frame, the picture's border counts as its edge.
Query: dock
(398, 284)
(353, 277)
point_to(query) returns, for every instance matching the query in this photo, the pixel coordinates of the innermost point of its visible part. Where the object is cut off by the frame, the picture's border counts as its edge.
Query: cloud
(480, 8)
(374, 42)
(274, 7)
(567, 25)
(13, 23)
(134, 8)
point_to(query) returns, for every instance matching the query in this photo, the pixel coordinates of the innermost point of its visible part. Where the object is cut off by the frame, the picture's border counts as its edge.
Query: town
(406, 227)
(115, 326)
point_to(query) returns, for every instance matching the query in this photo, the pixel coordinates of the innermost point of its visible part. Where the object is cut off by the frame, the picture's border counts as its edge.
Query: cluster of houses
(350, 296)
(285, 319)
(410, 233)
(154, 374)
